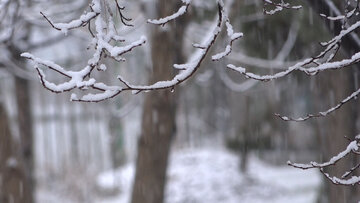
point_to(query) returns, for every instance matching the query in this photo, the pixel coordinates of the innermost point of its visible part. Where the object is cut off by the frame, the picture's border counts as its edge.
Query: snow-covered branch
(312, 66)
(349, 12)
(104, 40)
(353, 95)
(278, 7)
(182, 10)
(352, 148)
(232, 36)
(83, 20)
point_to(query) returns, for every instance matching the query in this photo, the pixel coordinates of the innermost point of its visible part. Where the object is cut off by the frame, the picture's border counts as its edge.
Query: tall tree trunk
(24, 147)
(158, 123)
(26, 134)
(333, 129)
(13, 183)
(343, 122)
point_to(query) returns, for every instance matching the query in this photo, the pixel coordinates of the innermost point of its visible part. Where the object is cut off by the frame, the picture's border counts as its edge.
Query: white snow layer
(212, 175)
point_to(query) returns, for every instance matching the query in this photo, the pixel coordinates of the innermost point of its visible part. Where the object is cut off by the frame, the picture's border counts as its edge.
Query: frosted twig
(182, 10)
(353, 147)
(104, 36)
(348, 13)
(278, 7)
(324, 113)
(346, 174)
(83, 20)
(233, 36)
(341, 181)
(332, 45)
(187, 69)
(265, 78)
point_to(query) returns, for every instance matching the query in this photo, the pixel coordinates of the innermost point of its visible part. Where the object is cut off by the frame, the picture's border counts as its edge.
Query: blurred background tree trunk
(342, 123)
(24, 119)
(24, 146)
(14, 182)
(158, 121)
(335, 86)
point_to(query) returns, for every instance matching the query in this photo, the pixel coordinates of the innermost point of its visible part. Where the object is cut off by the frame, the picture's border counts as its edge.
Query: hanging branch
(331, 49)
(349, 12)
(233, 36)
(354, 95)
(123, 19)
(182, 10)
(278, 7)
(352, 148)
(82, 21)
(104, 36)
(312, 66)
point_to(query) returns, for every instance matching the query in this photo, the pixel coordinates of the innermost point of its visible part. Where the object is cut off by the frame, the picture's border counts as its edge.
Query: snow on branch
(187, 69)
(349, 12)
(278, 7)
(83, 20)
(332, 46)
(104, 42)
(300, 67)
(103, 39)
(352, 148)
(233, 36)
(312, 66)
(182, 10)
(354, 95)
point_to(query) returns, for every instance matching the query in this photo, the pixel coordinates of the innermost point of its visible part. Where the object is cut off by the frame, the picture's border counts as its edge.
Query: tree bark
(13, 182)
(158, 122)
(343, 122)
(333, 129)
(24, 146)
(26, 134)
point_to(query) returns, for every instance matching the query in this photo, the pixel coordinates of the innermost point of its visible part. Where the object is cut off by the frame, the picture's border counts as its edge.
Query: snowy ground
(212, 175)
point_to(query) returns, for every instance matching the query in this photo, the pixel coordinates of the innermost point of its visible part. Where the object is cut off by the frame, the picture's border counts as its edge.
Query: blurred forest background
(223, 140)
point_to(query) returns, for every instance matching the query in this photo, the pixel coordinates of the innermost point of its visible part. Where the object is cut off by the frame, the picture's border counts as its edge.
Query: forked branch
(104, 36)
(352, 148)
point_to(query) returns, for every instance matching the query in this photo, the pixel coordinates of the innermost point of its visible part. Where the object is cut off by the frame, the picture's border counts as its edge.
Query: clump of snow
(102, 67)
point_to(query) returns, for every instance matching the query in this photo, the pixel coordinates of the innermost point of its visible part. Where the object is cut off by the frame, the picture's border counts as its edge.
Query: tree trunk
(24, 145)
(333, 129)
(13, 182)
(343, 122)
(26, 134)
(158, 123)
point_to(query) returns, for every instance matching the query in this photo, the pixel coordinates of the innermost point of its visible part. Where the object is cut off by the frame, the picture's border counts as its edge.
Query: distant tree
(20, 151)
(17, 23)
